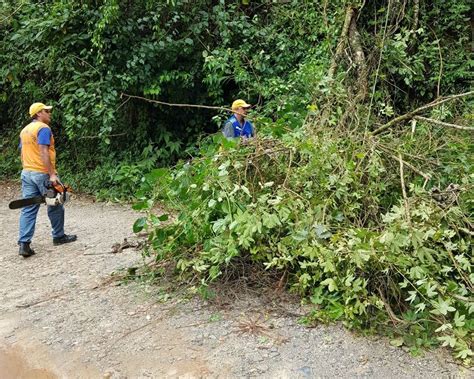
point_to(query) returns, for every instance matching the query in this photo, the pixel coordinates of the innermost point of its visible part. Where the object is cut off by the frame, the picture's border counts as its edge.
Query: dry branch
(183, 105)
(414, 169)
(404, 191)
(104, 136)
(441, 123)
(389, 310)
(384, 35)
(410, 115)
(426, 176)
(177, 104)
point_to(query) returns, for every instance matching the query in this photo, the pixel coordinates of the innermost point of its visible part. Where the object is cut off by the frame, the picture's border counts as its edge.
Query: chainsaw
(56, 194)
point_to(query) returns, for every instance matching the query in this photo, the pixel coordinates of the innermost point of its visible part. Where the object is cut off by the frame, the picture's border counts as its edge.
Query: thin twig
(441, 123)
(461, 273)
(467, 231)
(131, 332)
(404, 192)
(378, 65)
(86, 63)
(296, 194)
(49, 298)
(428, 161)
(11, 14)
(122, 104)
(109, 135)
(389, 310)
(349, 14)
(178, 104)
(440, 74)
(426, 176)
(411, 114)
(325, 14)
(289, 168)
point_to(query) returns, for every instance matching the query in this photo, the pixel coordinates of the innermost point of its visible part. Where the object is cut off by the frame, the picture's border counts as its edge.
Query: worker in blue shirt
(237, 126)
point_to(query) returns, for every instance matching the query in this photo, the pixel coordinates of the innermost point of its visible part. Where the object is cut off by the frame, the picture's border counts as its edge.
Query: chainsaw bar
(15, 204)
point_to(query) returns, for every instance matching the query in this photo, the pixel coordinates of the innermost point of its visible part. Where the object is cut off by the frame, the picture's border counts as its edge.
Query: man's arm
(228, 130)
(44, 152)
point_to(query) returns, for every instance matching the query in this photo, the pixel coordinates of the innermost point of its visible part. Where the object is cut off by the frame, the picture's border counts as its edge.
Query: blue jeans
(32, 184)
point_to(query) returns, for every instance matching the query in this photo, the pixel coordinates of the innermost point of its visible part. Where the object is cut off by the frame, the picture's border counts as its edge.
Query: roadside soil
(61, 316)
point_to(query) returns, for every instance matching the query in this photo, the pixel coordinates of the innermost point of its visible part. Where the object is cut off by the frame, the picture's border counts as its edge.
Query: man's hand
(54, 179)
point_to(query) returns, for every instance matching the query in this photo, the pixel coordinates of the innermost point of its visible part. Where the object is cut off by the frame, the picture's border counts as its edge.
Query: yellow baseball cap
(38, 107)
(240, 103)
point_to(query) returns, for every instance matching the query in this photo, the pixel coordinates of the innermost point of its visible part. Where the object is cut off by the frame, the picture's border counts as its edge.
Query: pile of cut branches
(352, 222)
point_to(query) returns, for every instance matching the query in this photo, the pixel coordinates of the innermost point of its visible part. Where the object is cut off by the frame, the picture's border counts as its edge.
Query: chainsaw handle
(58, 186)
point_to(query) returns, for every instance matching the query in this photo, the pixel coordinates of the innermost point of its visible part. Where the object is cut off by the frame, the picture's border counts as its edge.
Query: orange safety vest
(30, 151)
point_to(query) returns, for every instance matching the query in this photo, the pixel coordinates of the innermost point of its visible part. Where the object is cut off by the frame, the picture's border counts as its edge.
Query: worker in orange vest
(38, 157)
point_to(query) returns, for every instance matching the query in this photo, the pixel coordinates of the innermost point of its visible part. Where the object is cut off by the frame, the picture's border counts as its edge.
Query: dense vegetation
(358, 191)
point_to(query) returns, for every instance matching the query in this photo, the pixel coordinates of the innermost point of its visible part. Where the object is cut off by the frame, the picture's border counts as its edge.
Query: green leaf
(459, 320)
(448, 340)
(330, 283)
(139, 224)
(412, 296)
(443, 328)
(463, 354)
(420, 307)
(157, 173)
(322, 231)
(430, 290)
(397, 342)
(140, 205)
(442, 307)
(163, 217)
(318, 296)
(211, 203)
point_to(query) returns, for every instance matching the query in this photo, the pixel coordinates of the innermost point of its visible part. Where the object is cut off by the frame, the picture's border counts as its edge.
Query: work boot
(64, 239)
(25, 250)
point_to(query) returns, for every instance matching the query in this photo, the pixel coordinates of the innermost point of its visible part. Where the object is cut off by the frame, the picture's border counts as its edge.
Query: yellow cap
(240, 103)
(38, 107)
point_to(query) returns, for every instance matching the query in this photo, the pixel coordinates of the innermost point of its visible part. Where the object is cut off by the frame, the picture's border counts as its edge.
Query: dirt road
(61, 318)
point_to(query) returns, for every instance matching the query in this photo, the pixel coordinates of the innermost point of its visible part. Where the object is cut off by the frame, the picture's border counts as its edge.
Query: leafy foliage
(326, 210)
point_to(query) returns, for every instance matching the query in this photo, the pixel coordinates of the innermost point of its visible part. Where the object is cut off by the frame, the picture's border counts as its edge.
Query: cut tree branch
(441, 123)
(413, 113)
(414, 169)
(426, 176)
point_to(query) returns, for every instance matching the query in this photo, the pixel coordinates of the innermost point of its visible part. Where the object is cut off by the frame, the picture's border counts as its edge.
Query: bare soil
(61, 316)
